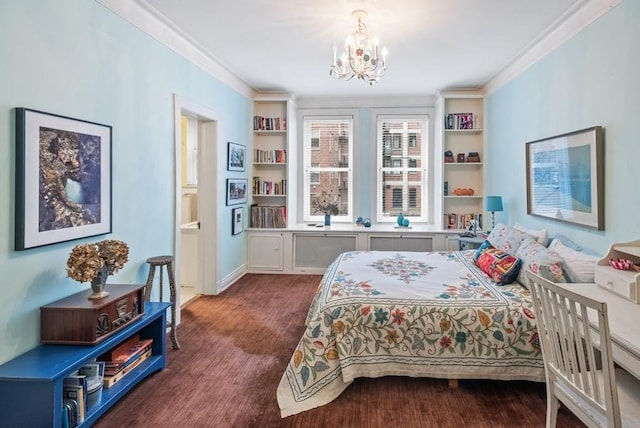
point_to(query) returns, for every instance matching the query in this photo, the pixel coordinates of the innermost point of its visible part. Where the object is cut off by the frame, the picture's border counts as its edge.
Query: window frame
(425, 160)
(307, 170)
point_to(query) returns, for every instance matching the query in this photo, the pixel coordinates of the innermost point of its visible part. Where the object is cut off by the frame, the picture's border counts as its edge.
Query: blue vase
(400, 219)
(327, 220)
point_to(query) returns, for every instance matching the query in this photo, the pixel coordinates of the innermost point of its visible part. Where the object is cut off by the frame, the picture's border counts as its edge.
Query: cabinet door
(319, 250)
(265, 252)
(400, 243)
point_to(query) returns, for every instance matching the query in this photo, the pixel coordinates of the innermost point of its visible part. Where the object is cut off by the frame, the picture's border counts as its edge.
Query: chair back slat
(576, 347)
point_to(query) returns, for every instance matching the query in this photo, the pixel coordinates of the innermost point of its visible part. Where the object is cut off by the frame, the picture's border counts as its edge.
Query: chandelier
(360, 58)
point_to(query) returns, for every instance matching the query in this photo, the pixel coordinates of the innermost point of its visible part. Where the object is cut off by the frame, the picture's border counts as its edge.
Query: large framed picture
(237, 190)
(63, 179)
(565, 178)
(235, 157)
(237, 224)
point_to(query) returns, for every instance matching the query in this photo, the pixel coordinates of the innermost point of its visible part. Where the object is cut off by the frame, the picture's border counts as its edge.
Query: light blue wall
(76, 58)
(592, 79)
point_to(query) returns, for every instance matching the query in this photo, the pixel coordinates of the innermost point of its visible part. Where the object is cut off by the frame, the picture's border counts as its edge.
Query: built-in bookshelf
(463, 155)
(270, 190)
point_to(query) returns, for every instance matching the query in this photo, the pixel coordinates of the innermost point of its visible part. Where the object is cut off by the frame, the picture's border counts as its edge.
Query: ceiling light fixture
(360, 58)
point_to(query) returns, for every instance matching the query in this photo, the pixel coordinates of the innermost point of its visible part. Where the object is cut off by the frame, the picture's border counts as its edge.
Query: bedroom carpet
(235, 346)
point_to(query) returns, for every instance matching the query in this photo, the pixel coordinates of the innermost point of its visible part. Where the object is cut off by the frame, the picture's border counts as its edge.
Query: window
(402, 168)
(327, 160)
(190, 151)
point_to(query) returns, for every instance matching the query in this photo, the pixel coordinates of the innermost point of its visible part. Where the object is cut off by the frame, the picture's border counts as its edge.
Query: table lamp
(493, 204)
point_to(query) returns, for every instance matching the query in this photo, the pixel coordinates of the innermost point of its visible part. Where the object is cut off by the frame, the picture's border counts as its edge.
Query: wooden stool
(168, 262)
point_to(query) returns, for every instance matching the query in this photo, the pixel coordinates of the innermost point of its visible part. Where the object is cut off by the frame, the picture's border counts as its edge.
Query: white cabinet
(401, 242)
(265, 252)
(462, 159)
(273, 129)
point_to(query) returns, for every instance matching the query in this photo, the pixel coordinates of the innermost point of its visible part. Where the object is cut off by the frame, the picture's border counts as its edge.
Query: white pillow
(579, 266)
(540, 236)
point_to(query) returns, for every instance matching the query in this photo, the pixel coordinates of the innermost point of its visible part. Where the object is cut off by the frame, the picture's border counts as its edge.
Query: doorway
(196, 145)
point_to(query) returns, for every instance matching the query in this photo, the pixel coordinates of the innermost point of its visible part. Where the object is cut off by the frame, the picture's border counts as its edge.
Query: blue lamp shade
(493, 203)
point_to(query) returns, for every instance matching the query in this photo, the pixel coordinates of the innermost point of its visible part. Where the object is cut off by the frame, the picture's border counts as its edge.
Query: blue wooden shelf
(31, 384)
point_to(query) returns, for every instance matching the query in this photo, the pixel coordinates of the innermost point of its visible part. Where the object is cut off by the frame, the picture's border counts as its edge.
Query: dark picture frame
(236, 155)
(237, 220)
(237, 189)
(565, 178)
(63, 178)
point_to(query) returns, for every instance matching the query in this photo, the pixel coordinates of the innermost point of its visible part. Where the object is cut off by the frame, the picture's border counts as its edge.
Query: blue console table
(31, 384)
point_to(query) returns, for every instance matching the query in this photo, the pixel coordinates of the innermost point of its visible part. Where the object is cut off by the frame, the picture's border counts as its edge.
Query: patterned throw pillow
(542, 261)
(506, 238)
(481, 250)
(503, 268)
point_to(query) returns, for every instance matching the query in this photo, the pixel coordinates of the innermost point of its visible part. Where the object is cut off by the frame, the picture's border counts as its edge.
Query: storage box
(76, 320)
(94, 390)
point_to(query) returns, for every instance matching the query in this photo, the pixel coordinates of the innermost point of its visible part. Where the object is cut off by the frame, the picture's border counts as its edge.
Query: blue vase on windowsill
(327, 220)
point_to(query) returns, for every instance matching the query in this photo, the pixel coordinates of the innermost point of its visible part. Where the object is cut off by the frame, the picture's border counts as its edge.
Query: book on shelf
(75, 388)
(268, 216)
(462, 221)
(127, 357)
(261, 123)
(459, 121)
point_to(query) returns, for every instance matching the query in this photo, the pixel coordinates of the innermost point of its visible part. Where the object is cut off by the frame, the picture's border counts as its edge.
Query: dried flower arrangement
(87, 262)
(326, 203)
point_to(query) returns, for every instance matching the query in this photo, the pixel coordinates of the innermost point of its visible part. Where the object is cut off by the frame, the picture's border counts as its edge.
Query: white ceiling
(434, 45)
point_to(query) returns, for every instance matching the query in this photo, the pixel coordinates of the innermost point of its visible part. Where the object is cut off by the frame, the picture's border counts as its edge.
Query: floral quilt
(384, 313)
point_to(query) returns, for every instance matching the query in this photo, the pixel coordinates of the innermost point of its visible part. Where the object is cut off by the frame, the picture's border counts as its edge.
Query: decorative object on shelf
(359, 221)
(400, 219)
(327, 220)
(565, 177)
(326, 203)
(237, 220)
(463, 191)
(237, 191)
(236, 154)
(95, 262)
(360, 58)
(448, 156)
(493, 204)
(366, 222)
(63, 179)
(473, 157)
(621, 264)
(460, 158)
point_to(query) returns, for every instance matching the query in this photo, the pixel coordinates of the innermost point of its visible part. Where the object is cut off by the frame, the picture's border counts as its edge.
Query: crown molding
(144, 17)
(581, 15)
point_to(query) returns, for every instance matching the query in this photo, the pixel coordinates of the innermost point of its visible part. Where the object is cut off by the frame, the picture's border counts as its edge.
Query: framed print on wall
(238, 220)
(565, 178)
(235, 157)
(63, 179)
(237, 190)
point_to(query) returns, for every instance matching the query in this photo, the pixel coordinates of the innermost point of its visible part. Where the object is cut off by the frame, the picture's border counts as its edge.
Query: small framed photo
(63, 179)
(237, 224)
(237, 190)
(236, 154)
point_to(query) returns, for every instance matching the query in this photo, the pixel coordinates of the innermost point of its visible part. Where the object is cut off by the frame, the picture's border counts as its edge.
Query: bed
(385, 313)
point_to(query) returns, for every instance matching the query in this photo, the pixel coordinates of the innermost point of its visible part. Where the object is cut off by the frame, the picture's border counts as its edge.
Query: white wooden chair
(576, 348)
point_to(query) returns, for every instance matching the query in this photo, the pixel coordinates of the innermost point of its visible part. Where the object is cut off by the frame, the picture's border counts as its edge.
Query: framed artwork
(237, 190)
(565, 178)
(235, 157)
(63, 179)
(238, 220)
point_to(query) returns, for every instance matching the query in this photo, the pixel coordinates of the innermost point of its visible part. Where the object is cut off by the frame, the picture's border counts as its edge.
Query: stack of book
(75, 393)
(124, 358)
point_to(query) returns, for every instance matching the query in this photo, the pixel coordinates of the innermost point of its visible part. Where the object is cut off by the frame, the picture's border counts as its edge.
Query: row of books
(261, 123)
(462, 221)
(270, 156)
(268, 216)
(122, 359)
(76, 390)
(459, 121)
(264, 187)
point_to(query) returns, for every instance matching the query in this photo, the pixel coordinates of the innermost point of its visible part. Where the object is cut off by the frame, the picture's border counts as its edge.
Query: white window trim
(303, 176)
(427, 161)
